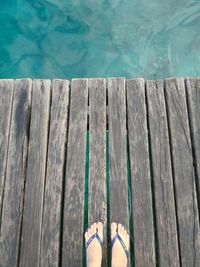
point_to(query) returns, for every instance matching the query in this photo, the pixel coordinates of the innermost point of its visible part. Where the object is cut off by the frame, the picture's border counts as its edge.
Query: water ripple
(65, 38)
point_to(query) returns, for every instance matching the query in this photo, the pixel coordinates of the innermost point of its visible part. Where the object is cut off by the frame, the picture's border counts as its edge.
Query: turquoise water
(99, 38)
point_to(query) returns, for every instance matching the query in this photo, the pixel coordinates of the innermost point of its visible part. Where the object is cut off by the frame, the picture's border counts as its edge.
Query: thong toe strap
(95, 235)
(117, 236)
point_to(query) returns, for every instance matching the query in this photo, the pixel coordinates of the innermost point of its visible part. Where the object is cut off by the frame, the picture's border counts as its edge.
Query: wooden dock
(86, 150)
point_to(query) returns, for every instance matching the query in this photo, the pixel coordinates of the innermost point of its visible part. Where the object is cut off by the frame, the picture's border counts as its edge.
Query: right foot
(94, 249)
(119, 258)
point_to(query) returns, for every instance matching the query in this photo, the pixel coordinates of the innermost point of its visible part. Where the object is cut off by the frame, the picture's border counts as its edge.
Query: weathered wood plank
(6, 97)
(97, 201)
(35, 181)
(185, 192)
(193, 93)
(15, 175)
(50, 246)
(75, 175)
(144, 248)
(166, 224)
(117, 152)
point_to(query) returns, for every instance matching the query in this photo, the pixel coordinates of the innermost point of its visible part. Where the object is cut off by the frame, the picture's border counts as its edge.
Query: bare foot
(119, 257)
(94, 249)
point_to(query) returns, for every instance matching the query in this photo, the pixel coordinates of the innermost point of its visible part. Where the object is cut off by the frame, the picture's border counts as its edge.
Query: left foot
(119, 257)
(94, 249)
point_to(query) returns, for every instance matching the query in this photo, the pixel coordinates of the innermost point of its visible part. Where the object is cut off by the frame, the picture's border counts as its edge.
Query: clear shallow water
(99, 38)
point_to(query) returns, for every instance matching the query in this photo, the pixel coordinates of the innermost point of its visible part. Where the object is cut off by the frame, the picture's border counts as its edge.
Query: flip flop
(95, 235)
(118, 237)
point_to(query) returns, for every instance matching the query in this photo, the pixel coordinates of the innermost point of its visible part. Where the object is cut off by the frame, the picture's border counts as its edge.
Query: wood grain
(43, 160)
(6, 98)
(35, 182)
(75, 175)
(166, 224)
(50, 246)
(97, 201)
(185, 192)
(15, 175)
(144, 248)
(117, 152)
(193, 93)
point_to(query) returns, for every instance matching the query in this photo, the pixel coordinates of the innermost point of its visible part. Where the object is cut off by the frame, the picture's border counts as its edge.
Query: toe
(86, 236)
(126, 239)
(89, 231)
(91, 228)
(113, 229)
(100, 227)
(127, 236)
(122, 230)
(127, 242)
(94, 228)
(100, 230)
(119, 228)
